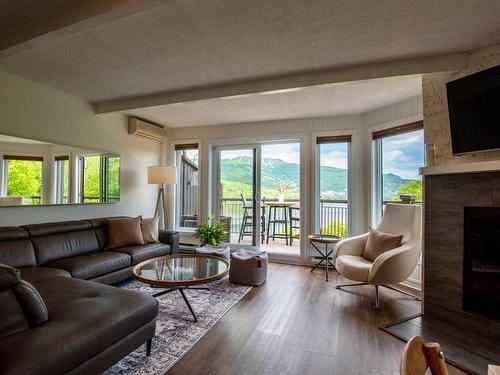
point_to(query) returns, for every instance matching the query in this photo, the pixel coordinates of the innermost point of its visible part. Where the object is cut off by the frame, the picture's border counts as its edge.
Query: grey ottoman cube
(219, 251)
(248, 267)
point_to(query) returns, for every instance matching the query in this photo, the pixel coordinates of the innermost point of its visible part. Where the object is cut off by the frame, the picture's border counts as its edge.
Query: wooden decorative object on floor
(418, 356)
(493, 370)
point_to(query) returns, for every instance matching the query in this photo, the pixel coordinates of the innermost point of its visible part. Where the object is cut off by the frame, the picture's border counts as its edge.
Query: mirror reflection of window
(23, 178)
(99, 178)
(112, 172)
(62, 179)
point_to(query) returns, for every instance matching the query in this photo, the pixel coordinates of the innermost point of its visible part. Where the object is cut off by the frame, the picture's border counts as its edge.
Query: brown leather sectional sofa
(56, 316)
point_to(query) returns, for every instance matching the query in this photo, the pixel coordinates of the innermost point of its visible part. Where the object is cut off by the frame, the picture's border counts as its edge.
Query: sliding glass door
(238, 194)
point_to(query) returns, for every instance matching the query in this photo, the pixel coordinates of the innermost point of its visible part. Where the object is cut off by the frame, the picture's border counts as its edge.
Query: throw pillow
(379, 242)
(124, 231)
(150, 229)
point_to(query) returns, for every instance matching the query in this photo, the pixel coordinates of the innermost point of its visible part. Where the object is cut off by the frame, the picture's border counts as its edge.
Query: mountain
(236, 177)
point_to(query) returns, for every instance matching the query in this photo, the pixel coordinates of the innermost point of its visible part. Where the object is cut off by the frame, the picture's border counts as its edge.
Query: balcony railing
(333, 215)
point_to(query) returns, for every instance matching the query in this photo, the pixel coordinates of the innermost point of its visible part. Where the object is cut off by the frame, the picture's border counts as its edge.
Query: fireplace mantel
(460, 168)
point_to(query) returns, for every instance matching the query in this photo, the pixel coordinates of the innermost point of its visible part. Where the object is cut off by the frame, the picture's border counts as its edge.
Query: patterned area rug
(176, 332)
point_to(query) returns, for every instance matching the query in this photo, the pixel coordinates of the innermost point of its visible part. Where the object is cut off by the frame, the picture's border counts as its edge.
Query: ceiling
(327, 100)
(9, 139)
(182, 44)
(198, 62)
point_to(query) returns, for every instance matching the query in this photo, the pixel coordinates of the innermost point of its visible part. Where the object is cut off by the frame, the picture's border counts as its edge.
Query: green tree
(91, 182)
(335, 228)
(24, 179)
(413, 187)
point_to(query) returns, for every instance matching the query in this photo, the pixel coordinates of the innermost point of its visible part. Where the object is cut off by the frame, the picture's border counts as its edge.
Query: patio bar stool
(294, 215)
(246, 228)
(274, 218)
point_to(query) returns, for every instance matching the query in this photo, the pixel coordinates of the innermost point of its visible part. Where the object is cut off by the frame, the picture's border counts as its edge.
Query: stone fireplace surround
(445, 198)
(474, 340)
(470, 341)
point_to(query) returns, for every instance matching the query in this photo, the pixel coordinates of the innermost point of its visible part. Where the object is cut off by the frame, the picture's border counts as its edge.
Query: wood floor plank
(296, 323)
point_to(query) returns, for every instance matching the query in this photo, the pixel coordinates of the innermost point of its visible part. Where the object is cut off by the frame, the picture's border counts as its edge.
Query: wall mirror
(40, 173)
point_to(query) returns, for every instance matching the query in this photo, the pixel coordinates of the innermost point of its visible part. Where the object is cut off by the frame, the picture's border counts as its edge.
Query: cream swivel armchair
(392, 266)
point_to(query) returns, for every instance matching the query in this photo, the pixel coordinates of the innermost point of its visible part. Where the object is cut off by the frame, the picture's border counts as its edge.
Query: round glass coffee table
(181, 272)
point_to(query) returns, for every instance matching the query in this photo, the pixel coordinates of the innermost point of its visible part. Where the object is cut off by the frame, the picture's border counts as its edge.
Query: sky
(402, 154)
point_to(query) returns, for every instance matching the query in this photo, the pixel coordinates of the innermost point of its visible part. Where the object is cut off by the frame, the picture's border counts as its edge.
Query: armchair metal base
(377, 299)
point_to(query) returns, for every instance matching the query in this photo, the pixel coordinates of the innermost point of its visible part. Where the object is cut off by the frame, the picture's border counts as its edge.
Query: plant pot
(281, 198)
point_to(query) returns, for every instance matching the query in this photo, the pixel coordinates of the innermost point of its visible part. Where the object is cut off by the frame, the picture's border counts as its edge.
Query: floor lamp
(162, 176)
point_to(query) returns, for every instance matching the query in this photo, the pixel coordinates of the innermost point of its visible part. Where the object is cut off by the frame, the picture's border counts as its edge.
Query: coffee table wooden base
(181, 291)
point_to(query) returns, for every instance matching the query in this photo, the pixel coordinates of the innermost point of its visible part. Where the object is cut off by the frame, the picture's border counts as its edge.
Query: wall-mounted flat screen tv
(474, 108)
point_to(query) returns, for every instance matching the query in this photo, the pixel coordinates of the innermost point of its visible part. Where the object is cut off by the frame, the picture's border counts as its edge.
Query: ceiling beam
(68, 21)
(434, 64)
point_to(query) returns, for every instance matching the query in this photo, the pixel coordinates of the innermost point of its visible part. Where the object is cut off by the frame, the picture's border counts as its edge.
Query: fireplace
(481, 267)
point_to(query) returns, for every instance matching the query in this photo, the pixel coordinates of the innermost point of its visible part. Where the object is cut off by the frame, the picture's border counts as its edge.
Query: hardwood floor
(297, 323)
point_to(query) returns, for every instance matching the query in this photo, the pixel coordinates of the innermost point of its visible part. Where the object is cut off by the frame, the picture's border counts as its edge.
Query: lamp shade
(162, 175)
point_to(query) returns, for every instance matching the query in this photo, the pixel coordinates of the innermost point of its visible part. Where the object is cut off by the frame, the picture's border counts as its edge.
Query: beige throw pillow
(150, 229)
(124, 231)
(379, 242)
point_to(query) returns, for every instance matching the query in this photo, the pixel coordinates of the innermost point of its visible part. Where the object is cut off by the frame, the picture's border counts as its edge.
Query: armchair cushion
(353, 267)
(379, 242)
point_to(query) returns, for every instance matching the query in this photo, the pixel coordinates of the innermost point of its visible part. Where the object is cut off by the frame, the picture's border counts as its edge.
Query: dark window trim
(61, 158)
(186, 146)
(23, 157)
(401, 129)
(334, 139)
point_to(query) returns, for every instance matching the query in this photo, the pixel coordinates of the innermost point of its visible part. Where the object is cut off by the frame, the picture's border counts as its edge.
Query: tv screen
(474, 108)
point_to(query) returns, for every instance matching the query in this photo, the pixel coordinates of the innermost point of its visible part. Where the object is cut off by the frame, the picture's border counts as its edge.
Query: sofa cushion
(31, 303)
(143, 252)
(379, 242)
(124, 231)
(149, 229)
(90, 265)
(85, 319)
(37, 275)
(9, 277)
(353, 267)
(16, 250)
(101, 230)
(61, 239)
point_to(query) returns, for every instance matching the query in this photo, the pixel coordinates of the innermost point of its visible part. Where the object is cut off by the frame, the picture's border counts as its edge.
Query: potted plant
(210, 234)
(282, 186)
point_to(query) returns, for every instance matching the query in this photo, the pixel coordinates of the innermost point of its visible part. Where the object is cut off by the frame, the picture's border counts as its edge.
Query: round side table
(324, 239)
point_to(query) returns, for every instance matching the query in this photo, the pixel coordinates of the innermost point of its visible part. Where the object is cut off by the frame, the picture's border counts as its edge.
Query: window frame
(344, 136)
(103, 177)
(178, 146)
(23, 156)
(376, 139)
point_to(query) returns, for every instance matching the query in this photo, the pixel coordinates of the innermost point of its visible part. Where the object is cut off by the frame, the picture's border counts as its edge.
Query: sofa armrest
(171, 238)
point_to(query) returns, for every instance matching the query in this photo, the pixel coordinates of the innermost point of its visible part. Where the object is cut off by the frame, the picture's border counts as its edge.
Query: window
(99, 178)
(186, 192)
(332, 205)
(23, 177)
(62, 179)
(398, 155)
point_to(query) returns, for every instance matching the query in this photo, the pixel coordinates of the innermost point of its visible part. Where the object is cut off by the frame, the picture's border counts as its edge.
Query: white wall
(29, 110)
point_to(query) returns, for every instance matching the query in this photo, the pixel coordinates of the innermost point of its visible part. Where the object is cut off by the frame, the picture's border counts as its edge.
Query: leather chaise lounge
(56, 314)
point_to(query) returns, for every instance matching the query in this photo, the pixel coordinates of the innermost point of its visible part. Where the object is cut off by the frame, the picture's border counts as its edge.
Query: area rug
(176, 332)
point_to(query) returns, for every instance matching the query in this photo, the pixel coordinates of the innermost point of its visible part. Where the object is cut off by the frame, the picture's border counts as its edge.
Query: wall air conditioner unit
(145, 129)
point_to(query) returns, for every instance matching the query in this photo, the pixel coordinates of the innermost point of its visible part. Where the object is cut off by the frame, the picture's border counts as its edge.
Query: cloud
(394, 155)
(289, 152)
(335, 158)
